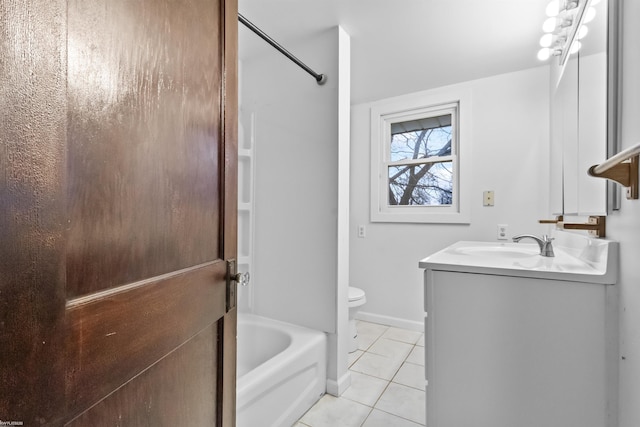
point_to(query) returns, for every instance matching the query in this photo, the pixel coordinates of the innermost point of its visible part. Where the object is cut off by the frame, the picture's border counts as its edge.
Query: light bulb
(544, 54)
(575, 47)
(571, 4)
(549, 25)
(553, 8)
(589, 15)
(546, 40)
(582, 32)
(566, 22)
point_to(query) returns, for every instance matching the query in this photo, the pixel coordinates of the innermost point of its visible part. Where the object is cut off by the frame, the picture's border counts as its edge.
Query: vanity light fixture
(564, 26)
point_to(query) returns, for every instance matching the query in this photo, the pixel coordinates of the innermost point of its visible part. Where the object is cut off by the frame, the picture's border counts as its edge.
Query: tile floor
(387, 383)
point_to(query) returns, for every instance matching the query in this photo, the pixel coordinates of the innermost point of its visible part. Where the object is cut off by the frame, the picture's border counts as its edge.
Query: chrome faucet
(545, 243)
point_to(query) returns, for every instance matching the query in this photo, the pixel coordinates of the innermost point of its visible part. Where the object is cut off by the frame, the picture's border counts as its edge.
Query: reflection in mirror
(564, 141)
(592, 127)
(583, 127)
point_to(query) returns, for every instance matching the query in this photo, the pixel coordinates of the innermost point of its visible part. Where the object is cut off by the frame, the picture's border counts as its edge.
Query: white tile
(403, 335)
(382, 419)
(410, 375)
(333, 411)
(352, 357)
(368, 333)
(365, 341)
(364, 388)
(416, 356)
(371, 328)
(380, 358)
(390, 348)
(377, 365)
(403, 401)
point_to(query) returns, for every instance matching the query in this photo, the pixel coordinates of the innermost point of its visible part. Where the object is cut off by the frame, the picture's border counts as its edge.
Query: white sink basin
(501, 251)
(577, 258)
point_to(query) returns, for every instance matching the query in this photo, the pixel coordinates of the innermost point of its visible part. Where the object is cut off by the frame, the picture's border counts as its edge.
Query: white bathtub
(281, 371)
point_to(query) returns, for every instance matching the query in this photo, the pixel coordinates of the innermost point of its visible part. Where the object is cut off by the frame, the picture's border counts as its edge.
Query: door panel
(150, 401)
(113, 336)
(118, 162)
(144, 130)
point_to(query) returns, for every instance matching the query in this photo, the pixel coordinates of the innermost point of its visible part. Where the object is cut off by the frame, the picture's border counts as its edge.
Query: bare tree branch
(414, 178)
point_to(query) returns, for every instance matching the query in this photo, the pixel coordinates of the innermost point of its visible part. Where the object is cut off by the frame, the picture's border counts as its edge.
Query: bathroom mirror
(583, 118)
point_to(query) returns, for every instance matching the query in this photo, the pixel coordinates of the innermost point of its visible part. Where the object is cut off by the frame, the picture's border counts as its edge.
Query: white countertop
(577, 258)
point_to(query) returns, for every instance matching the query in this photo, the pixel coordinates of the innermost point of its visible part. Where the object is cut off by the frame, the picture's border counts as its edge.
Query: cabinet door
(504, 351)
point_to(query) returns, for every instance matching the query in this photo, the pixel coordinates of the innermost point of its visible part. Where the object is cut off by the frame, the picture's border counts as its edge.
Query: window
(416, 162)
(420, 161)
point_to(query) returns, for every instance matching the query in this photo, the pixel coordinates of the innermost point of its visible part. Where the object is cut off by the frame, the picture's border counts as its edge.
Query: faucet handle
(547, 248)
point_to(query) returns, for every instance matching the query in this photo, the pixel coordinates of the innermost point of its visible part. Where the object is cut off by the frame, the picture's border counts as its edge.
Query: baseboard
(411, 325)
(336, 388)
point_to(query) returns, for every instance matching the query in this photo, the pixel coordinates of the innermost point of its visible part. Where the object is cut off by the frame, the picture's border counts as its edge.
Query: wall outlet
(362, 231)
(502, 232)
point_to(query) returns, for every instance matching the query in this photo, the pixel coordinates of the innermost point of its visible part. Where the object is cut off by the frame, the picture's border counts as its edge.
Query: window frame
(407, 108)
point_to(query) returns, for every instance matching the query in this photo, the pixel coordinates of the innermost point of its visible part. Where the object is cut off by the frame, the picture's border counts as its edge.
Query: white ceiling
(418, 44)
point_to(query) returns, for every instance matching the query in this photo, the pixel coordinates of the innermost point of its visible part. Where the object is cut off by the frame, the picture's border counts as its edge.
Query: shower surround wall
(300, 155)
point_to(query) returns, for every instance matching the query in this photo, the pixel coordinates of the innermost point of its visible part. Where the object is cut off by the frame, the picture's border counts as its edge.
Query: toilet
(357, 298)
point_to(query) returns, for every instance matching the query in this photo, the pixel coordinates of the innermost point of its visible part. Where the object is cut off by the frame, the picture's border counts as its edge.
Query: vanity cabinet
(505, 351)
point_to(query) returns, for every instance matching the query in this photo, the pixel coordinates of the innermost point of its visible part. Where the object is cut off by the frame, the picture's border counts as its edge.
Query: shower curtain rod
(320, 78)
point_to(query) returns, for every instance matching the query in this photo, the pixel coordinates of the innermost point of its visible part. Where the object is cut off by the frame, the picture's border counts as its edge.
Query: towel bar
(618, 169)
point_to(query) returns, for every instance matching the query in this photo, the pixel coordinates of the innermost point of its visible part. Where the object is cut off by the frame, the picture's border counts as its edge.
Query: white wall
(509, 142)
(624, 226)
(301, 198)
(296, 181)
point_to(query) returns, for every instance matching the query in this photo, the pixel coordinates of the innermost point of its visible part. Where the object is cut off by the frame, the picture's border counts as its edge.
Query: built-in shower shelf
(246, 169)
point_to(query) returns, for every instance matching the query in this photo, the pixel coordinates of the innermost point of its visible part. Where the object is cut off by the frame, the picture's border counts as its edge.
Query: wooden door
(118, 162)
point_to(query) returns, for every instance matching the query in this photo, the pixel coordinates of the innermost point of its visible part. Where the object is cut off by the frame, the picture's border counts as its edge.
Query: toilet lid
(355, 293)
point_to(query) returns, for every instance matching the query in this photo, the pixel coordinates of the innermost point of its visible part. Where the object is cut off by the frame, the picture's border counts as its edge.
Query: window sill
(421, 218)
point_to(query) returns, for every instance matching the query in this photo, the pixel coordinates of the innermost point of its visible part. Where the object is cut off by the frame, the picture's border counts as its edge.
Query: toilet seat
(356, 297)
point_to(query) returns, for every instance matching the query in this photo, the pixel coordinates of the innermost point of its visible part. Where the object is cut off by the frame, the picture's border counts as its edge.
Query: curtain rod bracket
(320, 78)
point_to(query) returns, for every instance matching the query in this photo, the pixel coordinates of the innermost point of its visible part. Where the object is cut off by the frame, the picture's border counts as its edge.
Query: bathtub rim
(304, 340)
